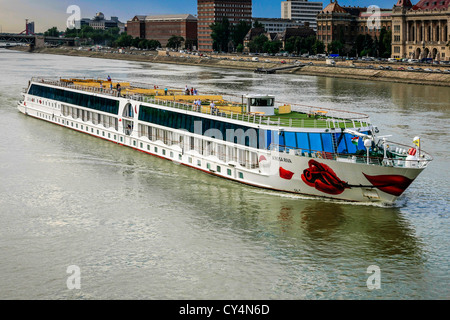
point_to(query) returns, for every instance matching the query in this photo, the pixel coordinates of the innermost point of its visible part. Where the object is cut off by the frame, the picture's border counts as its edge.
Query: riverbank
(341, 70)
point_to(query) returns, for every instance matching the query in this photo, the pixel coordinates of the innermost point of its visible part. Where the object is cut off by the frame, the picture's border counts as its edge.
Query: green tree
(240, 47)
(272, 46)
(335, 47)
(257, 44)
(220, 33)
(175, 41)
(318, 47)
(52, 32)
(124, 40)
(386, 43)
(239, 32)
(258, 24)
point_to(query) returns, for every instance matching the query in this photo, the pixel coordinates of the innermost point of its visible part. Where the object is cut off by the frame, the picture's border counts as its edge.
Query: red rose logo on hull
(323, 178)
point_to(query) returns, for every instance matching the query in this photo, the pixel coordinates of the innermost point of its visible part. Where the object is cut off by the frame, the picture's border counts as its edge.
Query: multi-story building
(136, 27)
(162, 27)
(276, 24)
(301, 10)
(335, 22)
(421, 31)
(100, 23)
(211, 11)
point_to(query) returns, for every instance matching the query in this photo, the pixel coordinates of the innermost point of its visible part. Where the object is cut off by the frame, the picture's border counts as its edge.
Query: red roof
(432, 4)
(404, 3)
(334, 7)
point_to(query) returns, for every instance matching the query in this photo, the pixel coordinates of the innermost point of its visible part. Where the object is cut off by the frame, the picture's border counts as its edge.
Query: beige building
(421, 30)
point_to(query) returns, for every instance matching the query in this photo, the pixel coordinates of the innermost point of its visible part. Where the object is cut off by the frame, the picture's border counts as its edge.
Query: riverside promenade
(341, 69)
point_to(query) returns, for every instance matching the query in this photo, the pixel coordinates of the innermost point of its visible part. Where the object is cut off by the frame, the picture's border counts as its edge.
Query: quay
(342, 69)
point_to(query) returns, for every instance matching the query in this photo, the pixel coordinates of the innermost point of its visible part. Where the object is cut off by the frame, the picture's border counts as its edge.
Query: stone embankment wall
(319, 68)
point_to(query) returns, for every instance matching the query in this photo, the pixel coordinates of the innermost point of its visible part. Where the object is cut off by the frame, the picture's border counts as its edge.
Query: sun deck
(301, 116)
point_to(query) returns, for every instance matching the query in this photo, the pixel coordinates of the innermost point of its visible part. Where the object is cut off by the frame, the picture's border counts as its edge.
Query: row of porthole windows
(190, 160)
(44, 102)
(155, 149)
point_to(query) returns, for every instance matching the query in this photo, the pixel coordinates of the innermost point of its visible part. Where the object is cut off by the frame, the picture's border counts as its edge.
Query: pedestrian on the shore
(165, 91)
(192, 91)
(109, 78)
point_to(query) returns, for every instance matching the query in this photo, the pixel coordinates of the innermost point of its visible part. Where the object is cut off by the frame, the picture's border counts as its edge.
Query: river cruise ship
(251, 139)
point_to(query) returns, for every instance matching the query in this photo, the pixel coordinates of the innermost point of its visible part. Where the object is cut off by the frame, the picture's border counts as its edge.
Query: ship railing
(423, 160)
(333, 118)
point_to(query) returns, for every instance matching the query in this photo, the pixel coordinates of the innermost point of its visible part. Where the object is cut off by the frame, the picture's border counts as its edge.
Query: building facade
(301, 10)
(211, 11)
(336, 22)
(277, 24)
(136, 27)
(421, 31)
(100, 23)
(162, 27)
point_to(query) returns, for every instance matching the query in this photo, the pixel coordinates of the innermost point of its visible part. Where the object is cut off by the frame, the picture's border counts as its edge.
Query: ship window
(251, 136)
(208, 165)
(80, 99)
(316, 142)
(180, 157)
(199, 163)
(156, 149)
(327, 142)
(229, 172)
(241, 175)
(164, 152)
(218, 168)
(290, 139)
(261, 102)
(302, 140)
(171, 154)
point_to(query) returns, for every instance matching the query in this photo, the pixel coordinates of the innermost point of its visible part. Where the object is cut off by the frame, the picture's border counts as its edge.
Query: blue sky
(48, 13)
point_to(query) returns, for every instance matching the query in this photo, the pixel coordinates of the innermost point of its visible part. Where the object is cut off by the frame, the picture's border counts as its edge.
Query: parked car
(370, 67)
(410, 69)
(428, 70)
(447, 71)
(388, 68)
(400, 68)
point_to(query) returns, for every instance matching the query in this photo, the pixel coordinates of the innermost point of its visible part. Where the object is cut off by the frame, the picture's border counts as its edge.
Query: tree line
(364, 45)
(109, 37)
